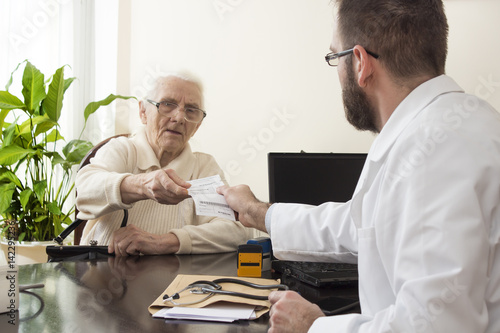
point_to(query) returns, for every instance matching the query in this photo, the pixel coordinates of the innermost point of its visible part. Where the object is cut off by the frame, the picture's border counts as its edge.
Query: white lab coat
(423, 223)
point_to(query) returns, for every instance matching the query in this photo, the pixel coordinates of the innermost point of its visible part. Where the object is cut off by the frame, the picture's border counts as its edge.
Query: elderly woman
(146, 174)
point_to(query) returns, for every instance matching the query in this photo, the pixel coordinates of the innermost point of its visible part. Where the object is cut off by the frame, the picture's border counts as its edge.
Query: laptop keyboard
(323, 266)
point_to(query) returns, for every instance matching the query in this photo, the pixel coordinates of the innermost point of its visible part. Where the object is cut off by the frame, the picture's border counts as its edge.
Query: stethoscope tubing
(213, 288)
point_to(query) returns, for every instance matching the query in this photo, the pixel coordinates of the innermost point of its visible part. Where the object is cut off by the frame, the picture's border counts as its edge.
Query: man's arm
(289, 311)
(251, 212)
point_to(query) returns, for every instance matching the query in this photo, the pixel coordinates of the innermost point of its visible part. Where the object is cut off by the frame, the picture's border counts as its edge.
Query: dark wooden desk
(113, 295)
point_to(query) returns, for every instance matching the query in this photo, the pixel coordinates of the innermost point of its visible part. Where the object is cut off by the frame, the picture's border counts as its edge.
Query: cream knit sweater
(99, 199)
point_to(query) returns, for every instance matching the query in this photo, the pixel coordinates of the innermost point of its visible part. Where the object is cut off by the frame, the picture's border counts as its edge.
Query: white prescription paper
(221, 312)
(206, 199)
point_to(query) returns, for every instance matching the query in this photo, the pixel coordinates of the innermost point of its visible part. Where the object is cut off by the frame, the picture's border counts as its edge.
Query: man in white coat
(423, 223)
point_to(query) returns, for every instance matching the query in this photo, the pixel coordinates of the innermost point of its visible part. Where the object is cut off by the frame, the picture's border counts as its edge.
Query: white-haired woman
(147, 173)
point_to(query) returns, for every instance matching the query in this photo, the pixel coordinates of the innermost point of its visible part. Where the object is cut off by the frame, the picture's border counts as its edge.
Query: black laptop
(318, 274)
(314, 178)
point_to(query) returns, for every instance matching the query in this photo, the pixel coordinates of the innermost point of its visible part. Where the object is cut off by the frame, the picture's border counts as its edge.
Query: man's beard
(358, 110)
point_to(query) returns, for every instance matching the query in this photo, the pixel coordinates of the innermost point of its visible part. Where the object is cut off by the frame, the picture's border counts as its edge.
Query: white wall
(474, 47)
(267, 86)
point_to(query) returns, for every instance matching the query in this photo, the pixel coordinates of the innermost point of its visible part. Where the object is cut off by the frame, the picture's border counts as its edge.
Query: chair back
(84, 162)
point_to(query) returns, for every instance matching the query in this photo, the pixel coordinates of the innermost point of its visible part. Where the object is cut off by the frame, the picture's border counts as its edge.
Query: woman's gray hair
(183, 75)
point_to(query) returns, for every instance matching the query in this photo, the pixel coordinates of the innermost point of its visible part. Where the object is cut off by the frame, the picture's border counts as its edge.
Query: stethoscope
(211, 288)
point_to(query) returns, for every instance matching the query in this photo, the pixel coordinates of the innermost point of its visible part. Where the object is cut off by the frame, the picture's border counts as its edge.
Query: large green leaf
(58, 223)
(52, 105)
(33, 87)
(36, 207)
(68, 82)
(55, 157)
(12, 154)
(94, 106)
(6, 192)
(9, 83)
(54, 208)
(40, 218)
(9, 101)
(9, 134)
(3, 114)
(24, 197)
(76, 150)
(7, 175)
(54, 136)
(39, 188)
(44, 123)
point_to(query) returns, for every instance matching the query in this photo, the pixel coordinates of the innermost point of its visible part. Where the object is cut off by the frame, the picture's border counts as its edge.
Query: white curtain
(79, 33)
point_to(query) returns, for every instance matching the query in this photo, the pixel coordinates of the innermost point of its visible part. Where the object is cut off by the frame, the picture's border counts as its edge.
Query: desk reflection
(113, 295)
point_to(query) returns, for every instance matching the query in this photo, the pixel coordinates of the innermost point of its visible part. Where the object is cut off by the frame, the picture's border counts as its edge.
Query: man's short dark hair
(411, 36)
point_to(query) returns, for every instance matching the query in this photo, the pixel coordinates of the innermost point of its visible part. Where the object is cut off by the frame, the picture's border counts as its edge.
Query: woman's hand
(131, 240)
(162, 186)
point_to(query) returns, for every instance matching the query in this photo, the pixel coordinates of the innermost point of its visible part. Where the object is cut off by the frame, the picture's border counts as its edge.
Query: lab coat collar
(407, 110)
(147, 160)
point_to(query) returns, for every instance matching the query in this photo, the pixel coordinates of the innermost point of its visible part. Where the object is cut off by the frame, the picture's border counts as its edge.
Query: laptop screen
(313, 178)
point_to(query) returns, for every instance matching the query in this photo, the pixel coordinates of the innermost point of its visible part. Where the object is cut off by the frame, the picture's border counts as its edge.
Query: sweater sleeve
(108, 168)
(211, 236)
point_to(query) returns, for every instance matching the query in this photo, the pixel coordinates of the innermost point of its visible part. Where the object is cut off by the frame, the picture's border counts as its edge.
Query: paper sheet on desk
(206, 199)
(221, 312)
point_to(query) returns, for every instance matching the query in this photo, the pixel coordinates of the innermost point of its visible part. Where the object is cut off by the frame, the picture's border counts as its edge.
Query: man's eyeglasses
(333, 58)
(167, 109)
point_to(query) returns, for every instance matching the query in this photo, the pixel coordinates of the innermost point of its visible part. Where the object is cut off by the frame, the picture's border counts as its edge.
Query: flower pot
(23, 253)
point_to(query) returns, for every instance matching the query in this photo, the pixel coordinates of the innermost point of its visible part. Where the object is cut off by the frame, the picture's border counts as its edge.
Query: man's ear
(363, 65)
(142, 112)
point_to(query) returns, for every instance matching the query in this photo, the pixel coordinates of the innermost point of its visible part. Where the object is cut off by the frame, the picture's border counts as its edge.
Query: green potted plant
(36, 175)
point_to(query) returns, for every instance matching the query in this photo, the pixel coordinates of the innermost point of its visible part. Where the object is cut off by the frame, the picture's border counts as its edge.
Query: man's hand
(291, 313)
(251, 211)
(162, 186)
(131, 240)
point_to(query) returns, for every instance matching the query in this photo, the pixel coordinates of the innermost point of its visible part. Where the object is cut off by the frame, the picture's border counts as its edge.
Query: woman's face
(169, 135)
